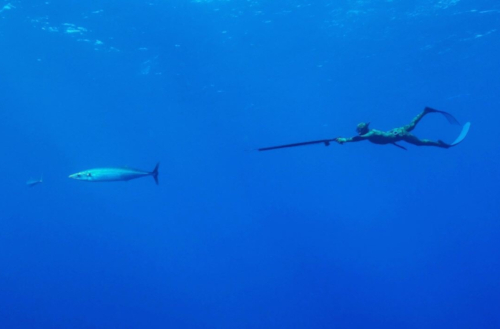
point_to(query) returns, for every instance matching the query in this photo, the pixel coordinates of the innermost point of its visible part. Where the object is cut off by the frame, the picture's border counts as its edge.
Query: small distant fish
(114, 174)
(33, 182)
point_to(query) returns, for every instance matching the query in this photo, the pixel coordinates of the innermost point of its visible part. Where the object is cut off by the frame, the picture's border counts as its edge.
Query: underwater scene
(250, 164)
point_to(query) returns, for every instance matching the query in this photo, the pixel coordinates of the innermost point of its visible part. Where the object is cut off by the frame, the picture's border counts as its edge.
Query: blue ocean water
(345, 236)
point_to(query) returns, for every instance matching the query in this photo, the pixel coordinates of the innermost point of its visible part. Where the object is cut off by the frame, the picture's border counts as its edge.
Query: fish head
(83, 175)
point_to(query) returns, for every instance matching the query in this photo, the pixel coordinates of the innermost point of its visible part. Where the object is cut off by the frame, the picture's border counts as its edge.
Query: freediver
(389, 137)
(397, 134)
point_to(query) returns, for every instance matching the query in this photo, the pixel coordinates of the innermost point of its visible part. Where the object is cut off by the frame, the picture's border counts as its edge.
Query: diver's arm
(360, 138)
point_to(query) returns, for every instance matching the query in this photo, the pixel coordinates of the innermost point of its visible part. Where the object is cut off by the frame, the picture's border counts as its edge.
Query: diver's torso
(387, 137)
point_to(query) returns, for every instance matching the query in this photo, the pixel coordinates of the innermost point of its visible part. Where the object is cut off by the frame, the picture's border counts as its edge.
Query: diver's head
(363, 128)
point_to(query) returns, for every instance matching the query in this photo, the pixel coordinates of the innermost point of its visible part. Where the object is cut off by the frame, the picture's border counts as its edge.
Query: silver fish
(114, 174)
(33, 182)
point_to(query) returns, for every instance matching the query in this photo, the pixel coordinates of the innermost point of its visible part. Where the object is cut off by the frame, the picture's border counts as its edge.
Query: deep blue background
(353, 236)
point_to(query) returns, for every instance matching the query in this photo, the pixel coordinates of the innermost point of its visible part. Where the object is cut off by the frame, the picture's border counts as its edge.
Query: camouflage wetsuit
(397, 134)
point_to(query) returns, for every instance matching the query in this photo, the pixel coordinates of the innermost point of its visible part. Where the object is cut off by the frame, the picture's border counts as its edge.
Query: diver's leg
(416, 120)
(409, 138)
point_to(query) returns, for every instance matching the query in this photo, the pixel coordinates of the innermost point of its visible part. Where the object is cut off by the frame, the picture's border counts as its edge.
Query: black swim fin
(451, 119)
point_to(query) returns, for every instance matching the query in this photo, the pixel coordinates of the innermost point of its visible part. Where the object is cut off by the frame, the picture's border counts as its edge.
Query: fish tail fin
(154, 173)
